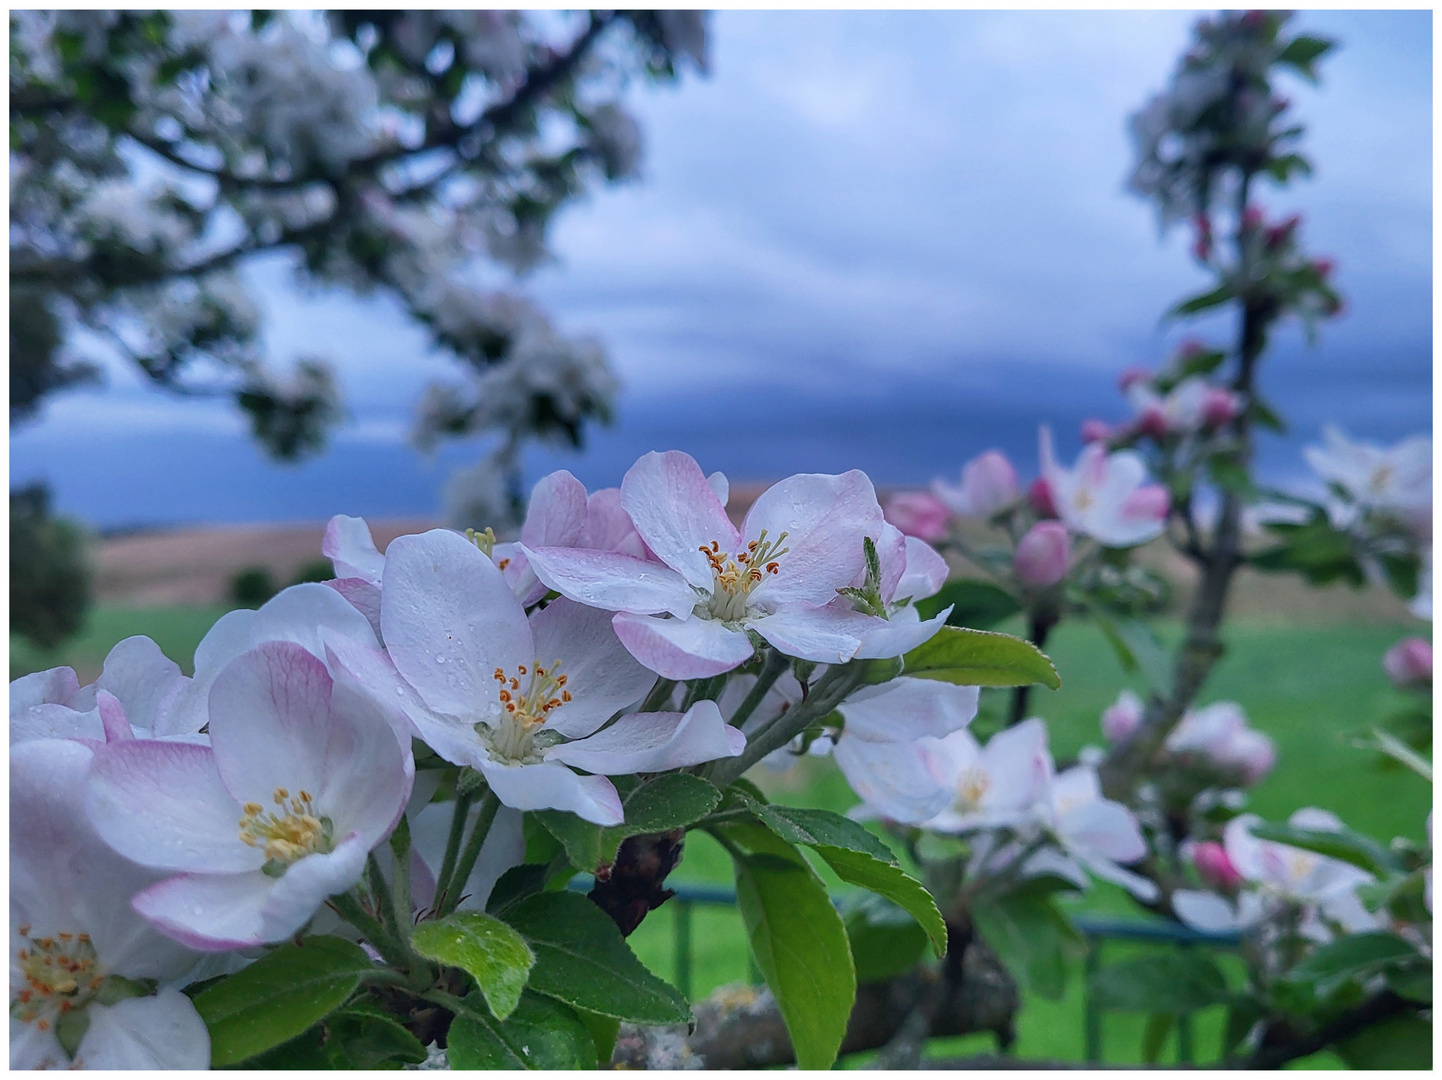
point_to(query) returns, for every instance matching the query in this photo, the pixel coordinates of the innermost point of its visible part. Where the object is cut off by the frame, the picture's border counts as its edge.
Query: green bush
(50, 575)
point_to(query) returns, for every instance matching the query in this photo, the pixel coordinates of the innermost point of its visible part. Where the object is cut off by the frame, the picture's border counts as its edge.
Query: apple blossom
(1043, 555)
(1275, 875)
(911, 570)
(1104, 496)
(802, 540)
(1095, 430)
(988, 483)
(1409, 663)
(1095, 832)
(920, 515)
(78, 950)
(999, 785)
(1396, 478)
(303, 778)
(1219, 733)
(519, 698)
(1122, 717)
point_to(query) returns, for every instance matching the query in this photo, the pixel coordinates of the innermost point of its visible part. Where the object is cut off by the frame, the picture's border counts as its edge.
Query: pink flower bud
(1251, 219)
(1409, 663)
(990, 480)
(1043, 555)
(1152, 422)
(1040, 497)
(1190, 347)
(1094, 430)
(1324, 267)
(1202, 246)
(1122, 717)
(1214, 866)
(919, 514)
(1221, 406)
(1150, 502)
(1254, 753)
(1131, 377)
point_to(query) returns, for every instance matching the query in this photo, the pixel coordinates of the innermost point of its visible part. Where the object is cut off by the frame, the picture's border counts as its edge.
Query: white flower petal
(825, 635)
(682, 648)
(654, 742)
(549, 786)
(601, 676)
(160, 1032)
(615, 582)
(348, 544)
(906, 709)
(676, 512)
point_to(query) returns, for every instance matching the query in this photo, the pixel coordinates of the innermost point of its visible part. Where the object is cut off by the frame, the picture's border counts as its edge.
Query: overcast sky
(882, 240)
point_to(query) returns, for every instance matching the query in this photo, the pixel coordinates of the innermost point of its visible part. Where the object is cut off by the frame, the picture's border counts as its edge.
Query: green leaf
(1137, 648)
(1354, 956)
(492, 953)
(1154, 1036)
(1400, 1042)
(582, 959)
(516, 884)
(1344, 845)
(1302, 53)
(977, 604)
(800, 945)
(885, 940)
(1220, 295)
(540, 1034)
(1242, 1016)
(279, 996)
(1264, 416)
(797, 825)
(980, 658)
(1031, 937)
(1176, 982)
(664, 802)
(888, 880)
(604, 1030)
(368, 1039)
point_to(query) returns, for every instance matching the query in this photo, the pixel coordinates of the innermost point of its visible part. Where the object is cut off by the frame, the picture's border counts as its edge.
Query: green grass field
(1307, 686)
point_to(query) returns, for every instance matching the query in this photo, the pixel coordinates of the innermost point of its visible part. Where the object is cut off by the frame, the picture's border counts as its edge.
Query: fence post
(1092, 1021)
(682, 947)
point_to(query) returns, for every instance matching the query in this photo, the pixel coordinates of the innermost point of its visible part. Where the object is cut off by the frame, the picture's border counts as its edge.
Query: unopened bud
(988, 483)
(1409, 663)
(1214, 865)
(1251, 219)
(919, 514)
(1252, 752)
(1152, 422)
(1043, 555)
(1202, 247)
(1122, 717)
(1190, 347)
(1221, 407)
(1324, 267)
(1150, 502)
(1041, 499)
(1133, 376)
(1094, 430)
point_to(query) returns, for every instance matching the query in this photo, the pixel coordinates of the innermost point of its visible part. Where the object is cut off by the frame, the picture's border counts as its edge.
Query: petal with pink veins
(676, 512)
(612, 581)
(825, 635)
(654, 742)
(554, 787)
(682, 648)
(556, 515)
(601, 676)
(349, 546)
(825, 518)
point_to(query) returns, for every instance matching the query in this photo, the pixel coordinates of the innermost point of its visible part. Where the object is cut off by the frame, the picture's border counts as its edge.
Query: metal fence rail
(1095, 930)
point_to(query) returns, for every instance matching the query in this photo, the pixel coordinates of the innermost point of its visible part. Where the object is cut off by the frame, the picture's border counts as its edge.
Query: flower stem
(453, 842)
(445, 904)
(776, 663)
(660, 694)
(349, 908)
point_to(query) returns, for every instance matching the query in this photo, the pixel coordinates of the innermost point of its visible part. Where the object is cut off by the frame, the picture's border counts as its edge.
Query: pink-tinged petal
(1020, 766)
(601, 676)
(682, 648)
(139, 675)
(615, 582)
(270, 722)
(511, 561)
(825, 518)
(721, 486)
(557, 512)
(55, 686)
(309, 614)
(554, 787)
(904, 631)
(364, 596)
(305, 885)
(160, 1032)
(450, 620)
(112, 717)
(31, 1048)
(1104, 829)
(654, 742)
(825, 635)
(163, 804)
(906, 709)
(919, 514)
(926, 572)
(676, 512)
(55, 722)
(209, 912)
(368, 770)
(891, 548)
(609, 527)
(1204, 911)
(899, 779)
(224, 641)
(348, 544)
(371, 672)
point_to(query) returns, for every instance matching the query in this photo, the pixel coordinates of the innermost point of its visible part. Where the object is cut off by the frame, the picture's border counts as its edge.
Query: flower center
(513, 737)
(1381, 478)
(970, 791)
(1083, 499)
(59, 973)
(290, 834)
(735, 576)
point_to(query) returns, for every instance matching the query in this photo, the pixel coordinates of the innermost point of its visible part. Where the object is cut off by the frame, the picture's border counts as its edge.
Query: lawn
(1307, 686)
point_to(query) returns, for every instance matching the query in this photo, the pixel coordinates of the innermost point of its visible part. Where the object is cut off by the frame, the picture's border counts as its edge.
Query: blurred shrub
(255, 585)
(50, 576)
